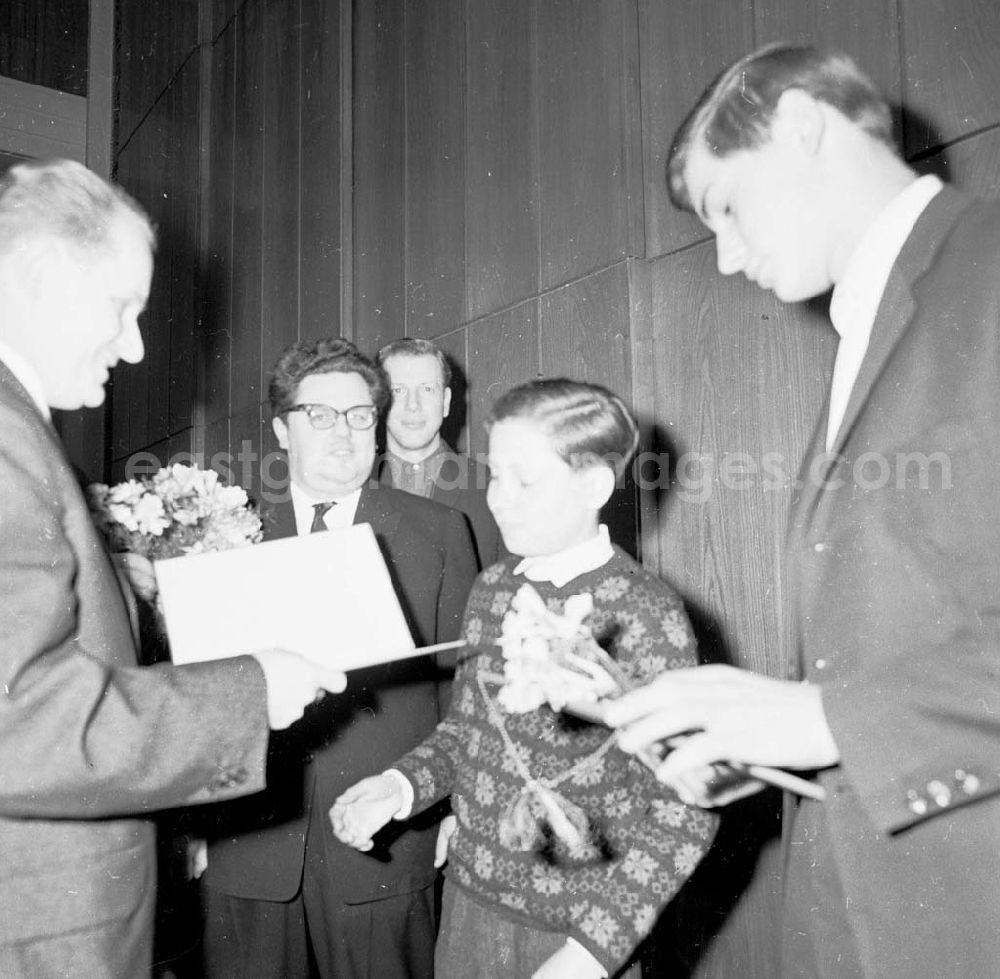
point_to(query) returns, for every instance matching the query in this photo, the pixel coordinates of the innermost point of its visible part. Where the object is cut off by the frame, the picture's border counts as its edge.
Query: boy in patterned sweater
(566, 909)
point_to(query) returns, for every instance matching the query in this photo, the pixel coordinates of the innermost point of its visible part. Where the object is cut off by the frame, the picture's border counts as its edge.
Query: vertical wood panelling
(245, 442)
(217, 275)
(132, 383)
(455, 427)
(280, 200)
(44, 42)
(584, 330)
(182, 193)
(501, 188)
(951, 71)
(503, 351)
(221, 13)
(157, 38)
(867, 31)
(379, 160)
(742, 381)
(972, 165)
(739, 381)
(321, 209)
(248, 202)
(683, 45)
(215, 441)
(156, 151)
(435, 166)
(584, 334)
(584, 181)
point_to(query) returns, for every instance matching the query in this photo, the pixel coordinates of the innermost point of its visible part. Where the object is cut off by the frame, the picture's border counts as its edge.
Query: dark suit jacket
(461, 484)
(894, 573)
(258, 846)
(88, 741)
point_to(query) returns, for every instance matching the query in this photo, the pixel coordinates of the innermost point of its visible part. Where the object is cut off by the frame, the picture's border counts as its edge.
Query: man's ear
(799, 118)
(598, 485)
(280, 430)
(446, 402)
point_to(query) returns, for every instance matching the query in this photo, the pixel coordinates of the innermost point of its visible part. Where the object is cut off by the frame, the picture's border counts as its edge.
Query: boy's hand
(361, 811)
(445, 832)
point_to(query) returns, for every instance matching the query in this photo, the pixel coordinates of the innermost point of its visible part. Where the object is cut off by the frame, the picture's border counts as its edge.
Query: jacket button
(820, 664)
(819, 547)
(916, 803)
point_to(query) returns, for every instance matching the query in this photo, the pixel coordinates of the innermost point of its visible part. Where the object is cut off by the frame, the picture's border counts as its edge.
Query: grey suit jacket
(894, 581)
(90, 744)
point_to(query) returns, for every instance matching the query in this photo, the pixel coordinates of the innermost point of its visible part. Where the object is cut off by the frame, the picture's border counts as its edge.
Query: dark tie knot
(319, 512)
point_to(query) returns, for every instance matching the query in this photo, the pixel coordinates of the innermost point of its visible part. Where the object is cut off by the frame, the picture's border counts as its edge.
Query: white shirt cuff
(403, 812)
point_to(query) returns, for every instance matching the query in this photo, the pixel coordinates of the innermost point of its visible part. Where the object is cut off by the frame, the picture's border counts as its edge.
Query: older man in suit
(90, 743)
(284, 899)
(894, 547)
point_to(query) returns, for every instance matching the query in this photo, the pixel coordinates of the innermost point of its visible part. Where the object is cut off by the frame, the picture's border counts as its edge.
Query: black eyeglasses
(358, 417)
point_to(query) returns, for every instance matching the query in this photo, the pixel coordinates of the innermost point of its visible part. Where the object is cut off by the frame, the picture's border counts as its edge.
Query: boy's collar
(563, 566)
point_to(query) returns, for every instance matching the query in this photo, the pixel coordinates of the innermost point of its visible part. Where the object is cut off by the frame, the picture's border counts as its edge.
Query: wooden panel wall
(505, 196)
(497, 179)
(217, 156)
(44, 42)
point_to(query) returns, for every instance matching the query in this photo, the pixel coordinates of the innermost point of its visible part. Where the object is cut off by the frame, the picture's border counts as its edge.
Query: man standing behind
(91, 744)
(418, 460)
(280, 890)
(894, 548)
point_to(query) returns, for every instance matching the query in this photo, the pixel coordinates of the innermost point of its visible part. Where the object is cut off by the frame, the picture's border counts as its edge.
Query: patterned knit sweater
(606, 896)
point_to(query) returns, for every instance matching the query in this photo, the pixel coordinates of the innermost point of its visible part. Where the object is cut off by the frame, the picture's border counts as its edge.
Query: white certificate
(327, 596)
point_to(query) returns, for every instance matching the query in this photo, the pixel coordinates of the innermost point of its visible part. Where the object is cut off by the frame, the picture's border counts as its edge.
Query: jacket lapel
(374, 509)
(896, 312)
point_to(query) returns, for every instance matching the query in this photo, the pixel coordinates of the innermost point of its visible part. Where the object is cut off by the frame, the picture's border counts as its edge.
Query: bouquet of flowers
(552, 658)
(178, 510)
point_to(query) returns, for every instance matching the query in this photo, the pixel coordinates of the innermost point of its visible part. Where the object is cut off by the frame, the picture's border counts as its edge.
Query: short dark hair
(586, 423)
(329, 355)
(65, 200)
(416, 347)
(736, 110)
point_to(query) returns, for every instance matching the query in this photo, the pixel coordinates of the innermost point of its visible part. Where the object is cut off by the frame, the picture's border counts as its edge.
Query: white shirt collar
(857, 295)
(341, 515)
(28, 377)
(863, 282)
(562, 567)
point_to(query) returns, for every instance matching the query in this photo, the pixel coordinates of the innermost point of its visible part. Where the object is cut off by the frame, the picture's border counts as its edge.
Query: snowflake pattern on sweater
(606, 896)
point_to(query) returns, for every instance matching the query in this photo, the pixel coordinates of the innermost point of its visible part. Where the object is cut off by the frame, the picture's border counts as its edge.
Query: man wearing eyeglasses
(284, 899)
